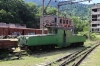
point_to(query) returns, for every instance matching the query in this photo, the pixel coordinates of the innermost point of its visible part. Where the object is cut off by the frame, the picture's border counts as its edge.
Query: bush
(85, 33)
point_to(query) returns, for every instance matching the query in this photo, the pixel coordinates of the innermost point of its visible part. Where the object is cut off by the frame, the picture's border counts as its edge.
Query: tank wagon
(56, 37)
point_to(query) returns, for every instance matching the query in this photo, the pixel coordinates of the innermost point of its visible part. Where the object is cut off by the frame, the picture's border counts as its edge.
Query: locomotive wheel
(53, 47)
(49, 47)
(37, 48)
(45, 47)
(81, 43)
(32, 48)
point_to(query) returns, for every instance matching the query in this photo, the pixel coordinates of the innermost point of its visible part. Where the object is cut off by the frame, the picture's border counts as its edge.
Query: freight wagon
(8, 32)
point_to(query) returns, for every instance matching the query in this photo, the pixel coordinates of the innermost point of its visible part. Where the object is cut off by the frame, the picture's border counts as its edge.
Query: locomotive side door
(64, 38)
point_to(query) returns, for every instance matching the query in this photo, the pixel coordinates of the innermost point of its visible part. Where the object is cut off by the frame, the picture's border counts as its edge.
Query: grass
(40, 57)
(49, 56)
(93, 59)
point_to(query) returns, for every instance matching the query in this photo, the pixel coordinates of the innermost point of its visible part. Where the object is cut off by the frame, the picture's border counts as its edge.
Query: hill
(79, 9)
(39, 2)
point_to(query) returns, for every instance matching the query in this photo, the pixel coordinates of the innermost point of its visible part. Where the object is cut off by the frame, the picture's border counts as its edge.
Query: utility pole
(58, 16)
(89, 29)
(43, 10)
(42, 16)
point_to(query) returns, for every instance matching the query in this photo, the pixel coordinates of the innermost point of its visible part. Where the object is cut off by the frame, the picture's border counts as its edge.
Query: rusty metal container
(8, 43)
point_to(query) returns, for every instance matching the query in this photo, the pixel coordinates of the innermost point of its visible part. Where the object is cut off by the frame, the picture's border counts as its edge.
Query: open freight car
(56, 37)
(8, 44)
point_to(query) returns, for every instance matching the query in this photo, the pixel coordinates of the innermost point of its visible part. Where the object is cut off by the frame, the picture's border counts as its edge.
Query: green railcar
(56, 37)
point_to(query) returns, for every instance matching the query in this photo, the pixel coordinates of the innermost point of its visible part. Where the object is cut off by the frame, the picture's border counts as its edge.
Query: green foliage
(18, 11)
(51, 11)
(86, 33)
(79, 24)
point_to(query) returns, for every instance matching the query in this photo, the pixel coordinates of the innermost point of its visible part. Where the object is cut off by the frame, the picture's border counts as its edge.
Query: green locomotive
(56, 37)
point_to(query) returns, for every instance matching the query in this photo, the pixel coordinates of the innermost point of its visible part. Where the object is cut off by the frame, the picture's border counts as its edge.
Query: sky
(92, 2)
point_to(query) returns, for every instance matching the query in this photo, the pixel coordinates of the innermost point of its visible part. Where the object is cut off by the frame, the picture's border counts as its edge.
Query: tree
(51, 11)
(79, 24)
(17, 11)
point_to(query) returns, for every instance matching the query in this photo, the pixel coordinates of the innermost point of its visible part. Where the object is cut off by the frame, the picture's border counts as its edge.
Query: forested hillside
(78, 9)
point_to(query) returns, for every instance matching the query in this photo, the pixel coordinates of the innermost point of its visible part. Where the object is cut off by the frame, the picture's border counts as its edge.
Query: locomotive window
(50, 30)
(56, 31)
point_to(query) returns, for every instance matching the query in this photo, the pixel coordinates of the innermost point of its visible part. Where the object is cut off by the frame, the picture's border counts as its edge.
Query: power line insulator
(55, 0)
(89, 1)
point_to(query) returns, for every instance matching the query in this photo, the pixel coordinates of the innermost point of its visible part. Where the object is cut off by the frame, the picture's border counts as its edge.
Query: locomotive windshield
(52, 31)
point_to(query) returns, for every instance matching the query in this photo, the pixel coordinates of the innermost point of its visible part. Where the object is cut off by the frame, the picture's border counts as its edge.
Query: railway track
(73, 59)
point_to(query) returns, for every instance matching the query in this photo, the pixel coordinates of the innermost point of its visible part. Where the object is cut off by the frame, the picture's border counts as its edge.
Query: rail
(73, 59)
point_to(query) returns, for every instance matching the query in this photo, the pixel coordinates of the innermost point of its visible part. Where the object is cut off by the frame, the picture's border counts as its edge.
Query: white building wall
(95, 21)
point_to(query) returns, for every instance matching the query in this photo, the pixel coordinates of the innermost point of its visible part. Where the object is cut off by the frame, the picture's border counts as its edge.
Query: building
(52, 20)
(95, 21)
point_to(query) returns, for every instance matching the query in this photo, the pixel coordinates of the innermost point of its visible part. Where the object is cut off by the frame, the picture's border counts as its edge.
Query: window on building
(98, 24)
(99, 15)
(94, 10)
(94, 25)
(98, 9)
(94, 16)
(98, 29)
(94, 19)
(69, 22)
(66, 21)
(60, 20)
(55, 20)
(92, 29)
(63, 21)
